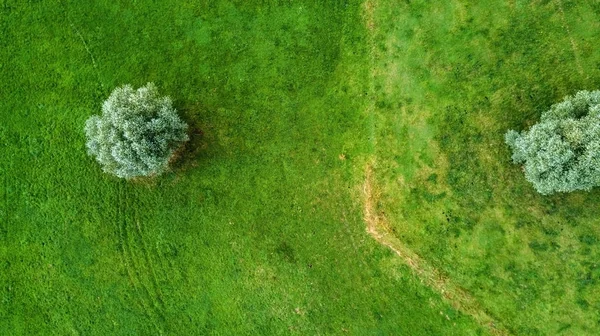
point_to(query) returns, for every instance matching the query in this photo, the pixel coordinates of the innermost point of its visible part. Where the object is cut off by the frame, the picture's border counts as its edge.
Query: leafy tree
(561, 153)
(137, 132)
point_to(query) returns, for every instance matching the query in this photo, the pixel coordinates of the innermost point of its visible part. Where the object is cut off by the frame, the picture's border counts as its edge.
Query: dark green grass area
(257, 231)
(462, 75)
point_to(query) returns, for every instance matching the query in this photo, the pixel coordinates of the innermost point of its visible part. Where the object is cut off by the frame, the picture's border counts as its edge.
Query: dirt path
(377, 227)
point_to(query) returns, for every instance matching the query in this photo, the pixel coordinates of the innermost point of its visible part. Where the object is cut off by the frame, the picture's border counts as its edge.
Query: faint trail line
(137, 264)
(376, 224)
(153, 278)
(369, 18)
(369, 11)
(85, 45)
(563, 18)
(137, 270)
(87, 49)
(121, 243)
(457, 297)
(133, 273)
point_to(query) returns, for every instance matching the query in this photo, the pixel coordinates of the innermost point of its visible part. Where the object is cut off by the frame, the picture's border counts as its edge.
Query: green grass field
(259, 228)
(456, 77)
(257, 231)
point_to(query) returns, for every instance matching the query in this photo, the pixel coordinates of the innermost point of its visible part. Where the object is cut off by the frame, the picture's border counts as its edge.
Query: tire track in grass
(141, 273)
(378, 227)
(149, 264)
(143, 297)
(121, 245)
(149, 301)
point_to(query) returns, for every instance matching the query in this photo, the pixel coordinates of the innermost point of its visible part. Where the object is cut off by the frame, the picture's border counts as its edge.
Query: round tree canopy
(561, 153)
(137, 132)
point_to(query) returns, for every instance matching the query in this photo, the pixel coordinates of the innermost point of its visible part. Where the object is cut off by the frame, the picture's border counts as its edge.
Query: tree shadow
(189, 154)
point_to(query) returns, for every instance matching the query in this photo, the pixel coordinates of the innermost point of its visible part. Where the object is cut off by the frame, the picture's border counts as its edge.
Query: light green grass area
(452, 78)
(258, 230)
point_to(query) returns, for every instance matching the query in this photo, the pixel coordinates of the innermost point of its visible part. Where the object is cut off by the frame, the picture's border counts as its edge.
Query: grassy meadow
(452, 77)
(258, 229)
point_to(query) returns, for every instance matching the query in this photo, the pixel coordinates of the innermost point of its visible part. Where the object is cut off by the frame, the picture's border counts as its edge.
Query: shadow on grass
(189, 154)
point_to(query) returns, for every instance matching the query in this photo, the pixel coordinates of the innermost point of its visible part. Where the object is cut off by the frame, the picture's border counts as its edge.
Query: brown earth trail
(378, 228)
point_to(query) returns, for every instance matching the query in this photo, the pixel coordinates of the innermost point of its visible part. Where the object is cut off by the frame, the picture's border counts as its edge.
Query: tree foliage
(561, 153)
(137, 132)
